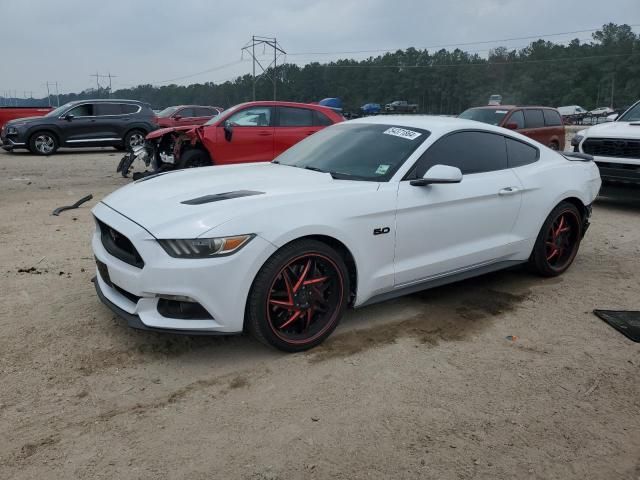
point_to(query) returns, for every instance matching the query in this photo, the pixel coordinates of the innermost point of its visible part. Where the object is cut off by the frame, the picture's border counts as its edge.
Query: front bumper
(220, 285)
(9, 143)
(618, 171)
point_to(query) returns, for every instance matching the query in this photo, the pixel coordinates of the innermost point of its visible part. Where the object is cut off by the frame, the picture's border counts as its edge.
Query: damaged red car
(248, 132)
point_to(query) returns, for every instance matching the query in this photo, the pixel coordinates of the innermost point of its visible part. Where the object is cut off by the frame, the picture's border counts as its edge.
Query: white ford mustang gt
(360, 212)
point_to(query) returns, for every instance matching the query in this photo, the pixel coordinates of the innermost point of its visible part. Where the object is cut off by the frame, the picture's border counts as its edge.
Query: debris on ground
(627, 322)
(59, 210)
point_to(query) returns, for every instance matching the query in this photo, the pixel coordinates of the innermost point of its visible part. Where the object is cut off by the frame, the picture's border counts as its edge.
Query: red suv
(542, 124)
(249, 132)
(186, 115)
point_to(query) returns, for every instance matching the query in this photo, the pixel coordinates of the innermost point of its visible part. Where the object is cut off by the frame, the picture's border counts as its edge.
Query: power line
(456, 44)
(564, 59)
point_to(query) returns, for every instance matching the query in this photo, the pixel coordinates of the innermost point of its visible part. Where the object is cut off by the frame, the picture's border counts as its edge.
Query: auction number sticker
(382, 169)
(402, 133)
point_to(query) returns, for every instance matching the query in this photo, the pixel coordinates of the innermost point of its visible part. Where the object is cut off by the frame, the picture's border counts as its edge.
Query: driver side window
(85, 110)
(252, 117)
(471, 152)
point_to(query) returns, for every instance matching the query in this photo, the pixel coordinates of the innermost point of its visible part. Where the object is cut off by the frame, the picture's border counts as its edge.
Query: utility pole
(613, 82)
(99, 76)
(250, 48)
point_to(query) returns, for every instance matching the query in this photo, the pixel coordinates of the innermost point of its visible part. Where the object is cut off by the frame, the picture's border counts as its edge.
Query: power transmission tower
(49, 94)
(99, 76)
(250, 48)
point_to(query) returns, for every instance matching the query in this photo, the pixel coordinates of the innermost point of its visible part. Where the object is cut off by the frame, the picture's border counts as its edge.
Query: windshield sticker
(382, 169)
(501, 111)
(402, 133)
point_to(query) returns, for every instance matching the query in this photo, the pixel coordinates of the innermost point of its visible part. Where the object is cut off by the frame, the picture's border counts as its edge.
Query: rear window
(485, 115)
(533, 119)
(108, 109)
(295, 117)
(552, 118)
(320, 119)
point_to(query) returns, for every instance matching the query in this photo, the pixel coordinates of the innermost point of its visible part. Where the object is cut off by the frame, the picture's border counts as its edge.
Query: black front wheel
(194, 158)
(299, 296)
(134, 138)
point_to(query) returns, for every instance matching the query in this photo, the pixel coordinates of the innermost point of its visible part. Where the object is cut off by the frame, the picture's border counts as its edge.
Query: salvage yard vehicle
(186, 115)
(615, 146)
(82, 123)
(542, 124)
(12, 113)
(249, 132)
(401, 106)
(361, 212)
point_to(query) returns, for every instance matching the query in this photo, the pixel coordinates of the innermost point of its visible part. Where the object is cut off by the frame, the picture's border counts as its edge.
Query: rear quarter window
(320, 119)
(519, 153)
(129, 108)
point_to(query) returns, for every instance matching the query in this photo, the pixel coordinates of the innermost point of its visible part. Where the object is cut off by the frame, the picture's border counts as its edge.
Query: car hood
(24, 120)
(163, 131)
(615, 130)
(188, 203)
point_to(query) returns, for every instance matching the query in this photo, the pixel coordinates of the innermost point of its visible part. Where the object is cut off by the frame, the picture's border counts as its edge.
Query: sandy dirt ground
(427, 386)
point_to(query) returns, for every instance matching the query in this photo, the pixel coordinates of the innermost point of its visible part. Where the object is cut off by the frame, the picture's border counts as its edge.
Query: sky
(195, 41)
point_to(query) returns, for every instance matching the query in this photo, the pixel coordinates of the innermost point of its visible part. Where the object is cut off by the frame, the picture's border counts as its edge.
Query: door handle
(509, 191)
(264, 134)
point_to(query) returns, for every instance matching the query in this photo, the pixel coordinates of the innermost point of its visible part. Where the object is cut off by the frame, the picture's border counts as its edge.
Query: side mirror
(177, 117)
(439, 174)
(612, 117)
(511, 126)
(69, 117)
(228, 130)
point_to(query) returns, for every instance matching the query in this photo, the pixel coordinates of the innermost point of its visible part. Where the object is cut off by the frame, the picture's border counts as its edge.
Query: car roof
(511, 107)
(278, 103)
(431, 123)
(108, 100)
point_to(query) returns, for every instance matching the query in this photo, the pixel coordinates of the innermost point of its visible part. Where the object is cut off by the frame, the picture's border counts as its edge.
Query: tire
(298, 297)
(134, 138)
(558, 241)
(194, 158)
(43, 143)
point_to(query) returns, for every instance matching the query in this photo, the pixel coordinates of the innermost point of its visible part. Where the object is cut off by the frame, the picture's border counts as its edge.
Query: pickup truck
(401, 106)
(11, 113)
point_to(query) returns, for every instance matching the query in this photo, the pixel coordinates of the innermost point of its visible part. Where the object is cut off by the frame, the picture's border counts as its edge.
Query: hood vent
(221, 196)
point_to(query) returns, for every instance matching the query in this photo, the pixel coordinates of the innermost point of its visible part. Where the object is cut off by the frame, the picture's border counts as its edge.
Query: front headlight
(205, 247)
(13, 129)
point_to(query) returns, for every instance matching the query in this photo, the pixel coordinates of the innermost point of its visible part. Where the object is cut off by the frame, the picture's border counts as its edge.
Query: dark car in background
(543, 124)
(183, 115)
(84, 123)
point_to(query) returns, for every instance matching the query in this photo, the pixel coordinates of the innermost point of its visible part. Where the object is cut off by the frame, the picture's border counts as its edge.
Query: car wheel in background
(134, 138)
(299, 296)
(43, 143)
(194, 158)
(558, 241)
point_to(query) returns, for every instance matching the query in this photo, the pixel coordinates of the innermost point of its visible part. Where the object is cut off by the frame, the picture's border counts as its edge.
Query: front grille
(119, 246)
(612, 147)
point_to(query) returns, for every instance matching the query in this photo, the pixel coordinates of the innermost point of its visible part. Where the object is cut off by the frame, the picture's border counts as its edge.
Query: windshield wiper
(315, 169)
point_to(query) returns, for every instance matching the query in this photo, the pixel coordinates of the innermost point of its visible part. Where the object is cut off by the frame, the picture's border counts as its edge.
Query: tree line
(604, 71)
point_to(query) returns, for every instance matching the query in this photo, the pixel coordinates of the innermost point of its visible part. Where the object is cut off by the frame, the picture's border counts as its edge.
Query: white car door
(447, 228)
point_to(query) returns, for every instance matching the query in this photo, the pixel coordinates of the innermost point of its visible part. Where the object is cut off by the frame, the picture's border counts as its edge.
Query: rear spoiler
(577, 156)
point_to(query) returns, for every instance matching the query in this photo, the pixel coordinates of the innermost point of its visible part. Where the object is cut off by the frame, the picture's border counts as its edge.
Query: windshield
(356, 151)
(59, 111)
(167, 112)
(492, 116)
(631, 115)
